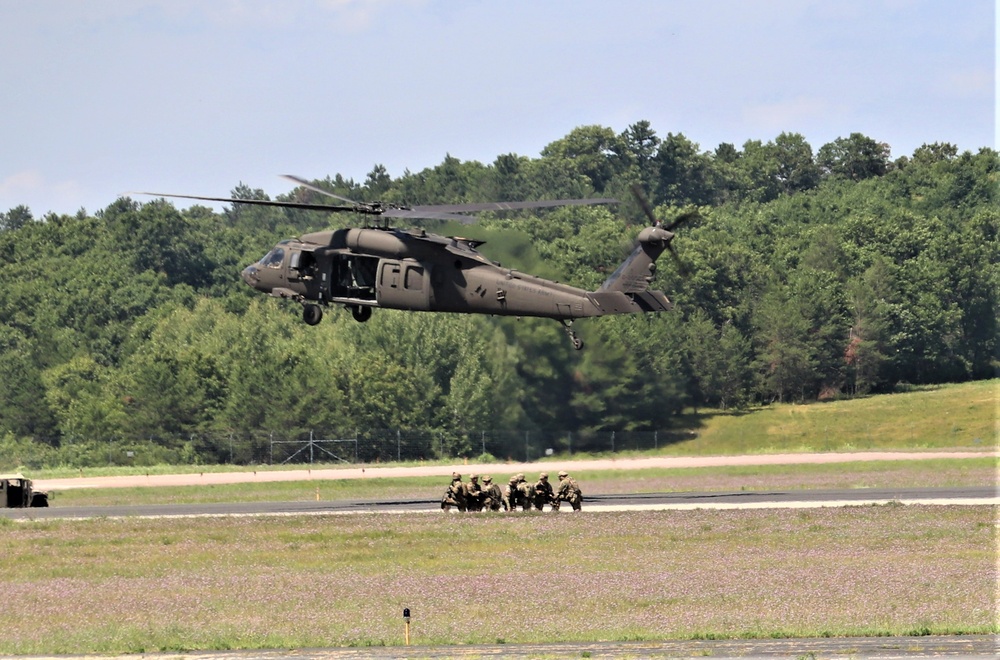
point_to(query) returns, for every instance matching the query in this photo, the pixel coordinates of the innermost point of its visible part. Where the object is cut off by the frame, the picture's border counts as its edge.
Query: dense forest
(809, 274)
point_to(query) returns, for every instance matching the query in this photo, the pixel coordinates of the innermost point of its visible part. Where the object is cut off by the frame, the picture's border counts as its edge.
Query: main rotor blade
(306, 184)
(513, 206)
(417, 214)
(256, 202)
(460, 208)
(451, 212)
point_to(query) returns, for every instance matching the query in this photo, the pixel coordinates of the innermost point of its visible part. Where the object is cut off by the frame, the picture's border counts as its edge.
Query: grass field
(963, 415)
(139, 585)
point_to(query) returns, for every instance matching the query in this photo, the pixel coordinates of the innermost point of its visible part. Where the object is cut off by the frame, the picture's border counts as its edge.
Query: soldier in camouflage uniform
(568, 491)
(527, 493)
(492, 495)
(543, 492)
(473, 494)
(454, 496)
(511, 495)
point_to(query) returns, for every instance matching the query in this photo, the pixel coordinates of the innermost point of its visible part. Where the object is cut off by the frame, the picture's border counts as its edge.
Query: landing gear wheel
(361, 313)
(577, 342)
(312, 314)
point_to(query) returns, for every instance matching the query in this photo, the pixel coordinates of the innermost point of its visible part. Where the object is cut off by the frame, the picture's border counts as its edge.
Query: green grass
(140, 585)
(948, 416)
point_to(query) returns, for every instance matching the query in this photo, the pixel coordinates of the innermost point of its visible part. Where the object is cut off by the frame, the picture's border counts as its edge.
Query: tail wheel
(568, 328)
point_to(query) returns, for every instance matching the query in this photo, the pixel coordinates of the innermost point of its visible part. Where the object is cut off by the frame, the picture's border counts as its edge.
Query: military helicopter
(382, 266)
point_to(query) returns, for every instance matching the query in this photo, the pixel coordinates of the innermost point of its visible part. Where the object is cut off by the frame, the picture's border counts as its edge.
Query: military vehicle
(16, 492)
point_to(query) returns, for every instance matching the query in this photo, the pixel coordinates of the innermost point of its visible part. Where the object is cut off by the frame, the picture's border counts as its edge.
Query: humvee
(16, 492)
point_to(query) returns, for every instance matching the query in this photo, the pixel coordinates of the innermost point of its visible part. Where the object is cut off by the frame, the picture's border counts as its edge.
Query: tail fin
(636, 272)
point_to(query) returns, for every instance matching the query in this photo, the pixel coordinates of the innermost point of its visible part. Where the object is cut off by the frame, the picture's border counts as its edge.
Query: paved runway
(972, 647)
(594, 503)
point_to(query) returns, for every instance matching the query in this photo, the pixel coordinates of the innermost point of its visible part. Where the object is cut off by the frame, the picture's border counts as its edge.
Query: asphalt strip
(971, 647)
(590, 509)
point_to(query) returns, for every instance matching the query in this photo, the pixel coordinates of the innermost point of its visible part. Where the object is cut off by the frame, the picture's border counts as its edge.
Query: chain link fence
(349, 446)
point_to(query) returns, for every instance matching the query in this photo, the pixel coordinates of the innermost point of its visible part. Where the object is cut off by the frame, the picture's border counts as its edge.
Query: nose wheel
(568, 328)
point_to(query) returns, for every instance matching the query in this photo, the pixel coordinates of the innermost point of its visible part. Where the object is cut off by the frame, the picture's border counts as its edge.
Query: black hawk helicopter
(411, 269)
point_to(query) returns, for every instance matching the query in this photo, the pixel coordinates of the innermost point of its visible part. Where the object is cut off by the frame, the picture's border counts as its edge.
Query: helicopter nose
(249, 275)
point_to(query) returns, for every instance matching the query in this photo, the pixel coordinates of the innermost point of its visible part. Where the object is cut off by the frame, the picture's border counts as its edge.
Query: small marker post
(406, 625)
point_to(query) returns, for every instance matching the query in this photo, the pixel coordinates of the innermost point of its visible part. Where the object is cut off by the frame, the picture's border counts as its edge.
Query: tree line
(808, 275)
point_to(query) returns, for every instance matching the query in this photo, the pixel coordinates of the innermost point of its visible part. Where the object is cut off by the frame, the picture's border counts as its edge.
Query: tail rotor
(640, 197)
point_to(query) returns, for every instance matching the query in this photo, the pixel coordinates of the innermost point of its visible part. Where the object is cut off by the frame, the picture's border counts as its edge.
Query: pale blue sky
(194, 96)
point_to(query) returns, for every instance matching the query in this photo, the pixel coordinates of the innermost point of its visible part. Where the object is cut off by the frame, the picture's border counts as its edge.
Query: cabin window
(390, 275)
(273, 258)
(414, 279)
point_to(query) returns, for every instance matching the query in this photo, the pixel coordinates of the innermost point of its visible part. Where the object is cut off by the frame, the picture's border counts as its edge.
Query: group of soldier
(518, 493)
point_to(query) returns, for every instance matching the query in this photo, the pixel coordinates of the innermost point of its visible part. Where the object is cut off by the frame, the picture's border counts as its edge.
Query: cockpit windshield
(273, 258)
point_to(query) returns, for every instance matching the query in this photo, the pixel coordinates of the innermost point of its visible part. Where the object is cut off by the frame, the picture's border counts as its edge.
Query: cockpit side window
(273, 258)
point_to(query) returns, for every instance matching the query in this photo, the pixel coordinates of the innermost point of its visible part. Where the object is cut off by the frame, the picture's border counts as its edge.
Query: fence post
(612, 442)
(399, 451)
